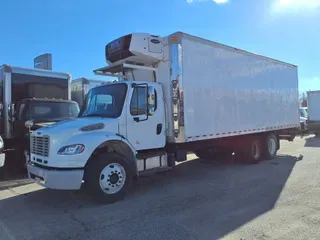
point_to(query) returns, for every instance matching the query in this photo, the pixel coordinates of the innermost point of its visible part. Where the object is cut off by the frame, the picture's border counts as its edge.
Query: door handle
(159, 128)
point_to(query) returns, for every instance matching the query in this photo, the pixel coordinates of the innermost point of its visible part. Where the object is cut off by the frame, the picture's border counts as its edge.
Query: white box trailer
(175, 94)
(81, 86)
(313, 122)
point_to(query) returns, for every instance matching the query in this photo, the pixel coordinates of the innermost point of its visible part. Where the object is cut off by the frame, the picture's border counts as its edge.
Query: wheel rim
(255, 150)
(112, 178)
(272, 145)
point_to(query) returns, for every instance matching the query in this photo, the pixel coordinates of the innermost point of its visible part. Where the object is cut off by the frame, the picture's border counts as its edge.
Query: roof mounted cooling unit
(43, 61)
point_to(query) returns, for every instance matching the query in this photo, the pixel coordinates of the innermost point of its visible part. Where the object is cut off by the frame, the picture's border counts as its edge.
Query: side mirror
(151, 100)
(29, 124)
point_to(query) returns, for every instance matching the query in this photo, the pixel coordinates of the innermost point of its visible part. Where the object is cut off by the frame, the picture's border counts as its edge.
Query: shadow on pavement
(14, 183)
(313, 142)
(195, 201)
(12, 178)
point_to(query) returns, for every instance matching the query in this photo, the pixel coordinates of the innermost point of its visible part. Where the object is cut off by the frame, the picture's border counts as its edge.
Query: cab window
(138, 105)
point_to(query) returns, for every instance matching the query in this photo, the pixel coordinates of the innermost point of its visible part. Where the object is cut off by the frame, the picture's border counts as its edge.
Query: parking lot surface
(276, 199)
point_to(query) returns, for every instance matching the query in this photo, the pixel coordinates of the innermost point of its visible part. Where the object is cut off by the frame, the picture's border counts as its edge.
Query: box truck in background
(80, 88)
(34, 96)
(175, 94)
(313, 122)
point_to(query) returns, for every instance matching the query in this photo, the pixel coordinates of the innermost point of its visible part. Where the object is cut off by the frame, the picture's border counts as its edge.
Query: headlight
(71, 149)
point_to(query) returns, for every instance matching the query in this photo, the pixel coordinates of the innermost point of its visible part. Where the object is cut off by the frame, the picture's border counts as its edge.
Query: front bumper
(55, 179)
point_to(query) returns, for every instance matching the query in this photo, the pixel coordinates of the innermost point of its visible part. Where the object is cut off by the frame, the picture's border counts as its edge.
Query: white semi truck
(175, 94)
(313, 122)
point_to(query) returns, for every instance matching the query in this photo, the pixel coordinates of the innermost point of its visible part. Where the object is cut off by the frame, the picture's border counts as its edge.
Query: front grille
(40, 145)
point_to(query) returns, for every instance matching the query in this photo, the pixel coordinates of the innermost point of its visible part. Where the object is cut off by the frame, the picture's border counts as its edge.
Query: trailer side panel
(228, 93)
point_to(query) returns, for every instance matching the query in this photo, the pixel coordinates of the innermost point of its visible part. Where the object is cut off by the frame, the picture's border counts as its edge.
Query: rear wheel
(251, 151)
(108, 176)
(270, 147)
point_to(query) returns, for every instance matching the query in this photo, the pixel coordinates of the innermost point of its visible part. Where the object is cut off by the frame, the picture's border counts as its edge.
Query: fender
(119, 144)
(94, 141)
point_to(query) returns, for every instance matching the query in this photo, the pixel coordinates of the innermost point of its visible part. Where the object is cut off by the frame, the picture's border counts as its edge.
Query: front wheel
(108, 176)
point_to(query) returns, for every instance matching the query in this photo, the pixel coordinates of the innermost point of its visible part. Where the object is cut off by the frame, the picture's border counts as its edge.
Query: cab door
(19, 128)
(146, 117)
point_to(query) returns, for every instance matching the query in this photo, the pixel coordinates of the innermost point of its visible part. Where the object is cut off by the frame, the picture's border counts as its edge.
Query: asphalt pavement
(276, 199)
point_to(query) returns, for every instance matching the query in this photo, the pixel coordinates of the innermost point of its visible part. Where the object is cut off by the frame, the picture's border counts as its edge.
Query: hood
(73, 126)
(45, 122)
(41, 125)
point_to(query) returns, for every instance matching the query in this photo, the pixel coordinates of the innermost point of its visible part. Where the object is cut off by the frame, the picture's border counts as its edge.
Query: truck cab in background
(34, 113)
(303, 119)
(30, 95)
(313, 122)
(80, 88)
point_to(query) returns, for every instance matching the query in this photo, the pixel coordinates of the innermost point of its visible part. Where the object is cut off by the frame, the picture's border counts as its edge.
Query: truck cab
(40, 112)
(133, 110)
(30, 94)
(121, 130)
(32, 114)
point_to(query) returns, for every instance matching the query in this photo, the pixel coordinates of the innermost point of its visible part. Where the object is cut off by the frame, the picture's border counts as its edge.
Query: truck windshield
(52, 110)
(105, 101)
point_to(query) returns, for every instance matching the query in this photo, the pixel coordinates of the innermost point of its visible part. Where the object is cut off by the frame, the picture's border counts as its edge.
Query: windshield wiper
(92, 115)
(95, 115)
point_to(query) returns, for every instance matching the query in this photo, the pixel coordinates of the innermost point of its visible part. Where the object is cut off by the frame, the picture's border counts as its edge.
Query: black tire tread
(265, 152)
(247, 154)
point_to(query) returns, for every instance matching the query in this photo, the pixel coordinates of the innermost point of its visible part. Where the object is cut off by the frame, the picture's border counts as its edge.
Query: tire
(252, 151)
(270, 147)
(104, 177)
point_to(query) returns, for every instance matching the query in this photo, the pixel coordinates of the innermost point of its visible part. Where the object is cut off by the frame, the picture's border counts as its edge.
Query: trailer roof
(313, 91)
(89, 80)
(228, 47)
(35, 71)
